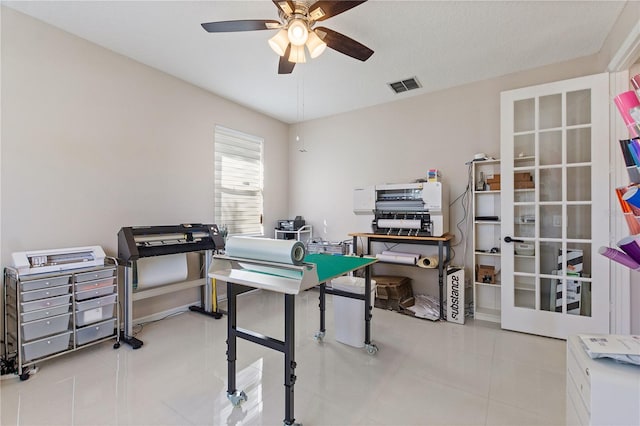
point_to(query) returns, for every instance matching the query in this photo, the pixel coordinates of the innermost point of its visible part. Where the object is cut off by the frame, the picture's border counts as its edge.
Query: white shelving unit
(486, 241)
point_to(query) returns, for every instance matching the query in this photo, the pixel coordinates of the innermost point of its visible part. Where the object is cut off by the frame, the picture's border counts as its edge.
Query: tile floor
(425, 373)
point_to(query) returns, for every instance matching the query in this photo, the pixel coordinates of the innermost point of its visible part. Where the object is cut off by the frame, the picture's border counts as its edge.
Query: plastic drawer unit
(47, 346)
(94, 332)
(49, 314)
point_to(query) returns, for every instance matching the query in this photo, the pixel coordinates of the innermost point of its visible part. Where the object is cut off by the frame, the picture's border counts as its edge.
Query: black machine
(291, 224)
(145, 241)
(137, 242)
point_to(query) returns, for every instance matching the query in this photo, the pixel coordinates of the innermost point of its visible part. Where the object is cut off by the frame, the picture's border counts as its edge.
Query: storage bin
(349, 313)
(28, 296)
(89, 316)
(95, 275)
(46, 303)
(45, 327)
(44, 313)
(95, 332)
(44, 283)
(94, 303)
(83, 295)
(95, 284)
(46, 346)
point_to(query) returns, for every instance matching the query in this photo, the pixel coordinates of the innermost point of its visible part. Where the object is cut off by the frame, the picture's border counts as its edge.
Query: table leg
(441, 278)
(367, 305)
(322, 305)
(231, 339)
(289, 355)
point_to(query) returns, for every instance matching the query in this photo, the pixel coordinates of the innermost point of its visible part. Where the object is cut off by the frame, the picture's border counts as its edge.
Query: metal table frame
(287, 346)
(443, 243)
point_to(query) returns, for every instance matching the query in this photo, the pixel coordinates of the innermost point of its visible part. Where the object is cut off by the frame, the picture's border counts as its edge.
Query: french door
(555, 160)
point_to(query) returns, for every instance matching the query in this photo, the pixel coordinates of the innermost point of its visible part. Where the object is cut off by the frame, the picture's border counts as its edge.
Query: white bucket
(348, 313)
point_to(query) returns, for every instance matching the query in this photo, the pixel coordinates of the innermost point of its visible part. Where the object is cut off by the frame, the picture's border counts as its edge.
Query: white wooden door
(555, 158)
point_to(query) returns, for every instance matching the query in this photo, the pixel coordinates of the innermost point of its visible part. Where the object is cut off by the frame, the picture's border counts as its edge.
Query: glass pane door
(554, 166)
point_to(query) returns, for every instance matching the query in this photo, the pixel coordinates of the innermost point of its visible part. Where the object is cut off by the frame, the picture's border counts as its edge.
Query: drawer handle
(46, 313)
(48, 322)
(47, 293)
(97, 328)
(586, 370)
(48, 342)
(47, 303)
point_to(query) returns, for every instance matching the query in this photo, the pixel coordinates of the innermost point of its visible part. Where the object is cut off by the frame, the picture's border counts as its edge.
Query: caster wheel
(25, 376)
(372, 349)
(116, 345)
(319, 336)
(237, 398)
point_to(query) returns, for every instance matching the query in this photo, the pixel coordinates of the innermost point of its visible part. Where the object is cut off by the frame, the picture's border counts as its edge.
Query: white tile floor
(425, 373)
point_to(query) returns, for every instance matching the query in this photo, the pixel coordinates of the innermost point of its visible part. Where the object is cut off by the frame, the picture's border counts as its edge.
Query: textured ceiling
(442, 43)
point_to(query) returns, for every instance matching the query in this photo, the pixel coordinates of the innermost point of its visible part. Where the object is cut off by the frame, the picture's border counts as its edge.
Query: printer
(406, 209)
(54, 260)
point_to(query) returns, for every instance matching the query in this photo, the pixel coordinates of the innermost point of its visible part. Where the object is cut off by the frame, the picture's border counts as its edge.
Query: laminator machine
(139, 242)
(411, 209)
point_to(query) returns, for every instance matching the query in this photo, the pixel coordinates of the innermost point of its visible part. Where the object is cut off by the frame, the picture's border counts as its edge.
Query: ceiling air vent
(405, 85)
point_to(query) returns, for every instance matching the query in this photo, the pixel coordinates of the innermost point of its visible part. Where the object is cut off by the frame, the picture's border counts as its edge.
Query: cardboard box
(390, 290)
(455, 295)
(521, 184)
(522, 176)
(494, 178)
(485, 274)
(494, 186)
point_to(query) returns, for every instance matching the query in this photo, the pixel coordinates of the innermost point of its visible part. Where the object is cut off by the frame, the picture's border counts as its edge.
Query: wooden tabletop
(445, 237)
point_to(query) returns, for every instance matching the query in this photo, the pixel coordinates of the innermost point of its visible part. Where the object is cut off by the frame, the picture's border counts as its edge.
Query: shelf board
(486, 253)
(525, 256)
(496, 191)
(487, 222)
(486, 314)
(526, 158)
(489, 284)
(524, 287)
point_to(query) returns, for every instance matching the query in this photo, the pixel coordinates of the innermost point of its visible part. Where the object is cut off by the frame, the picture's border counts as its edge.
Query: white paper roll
(399, 253)
(405, 260)
(428, 262)
(161, 270)
(282, 251)
(399, 223)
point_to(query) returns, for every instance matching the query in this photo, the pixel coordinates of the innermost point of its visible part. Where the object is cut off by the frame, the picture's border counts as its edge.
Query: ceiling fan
(297, 30)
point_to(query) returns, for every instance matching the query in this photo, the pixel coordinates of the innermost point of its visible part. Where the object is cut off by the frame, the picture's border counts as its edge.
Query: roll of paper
(400, 223)
(160, 270)
(399, 253)
(619, 256)
(281, 251)
(632, 196)
(630, 246)
(625, 102)
(392, 258)
(428, 262)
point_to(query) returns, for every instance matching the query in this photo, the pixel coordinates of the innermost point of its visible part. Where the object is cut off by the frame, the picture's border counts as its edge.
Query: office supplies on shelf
(625, 102)
(631, 247)
(291, 224)
(619, 257)
(62, 259)
(419, 209)
(140, 242)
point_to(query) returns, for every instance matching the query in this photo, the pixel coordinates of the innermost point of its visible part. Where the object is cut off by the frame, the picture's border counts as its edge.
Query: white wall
(399, 142)
(93, 141)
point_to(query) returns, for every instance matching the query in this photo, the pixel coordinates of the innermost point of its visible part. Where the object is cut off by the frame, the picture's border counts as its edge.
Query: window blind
(238, 181)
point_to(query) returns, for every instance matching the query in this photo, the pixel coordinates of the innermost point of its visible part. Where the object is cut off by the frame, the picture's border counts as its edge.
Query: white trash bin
(348, 313)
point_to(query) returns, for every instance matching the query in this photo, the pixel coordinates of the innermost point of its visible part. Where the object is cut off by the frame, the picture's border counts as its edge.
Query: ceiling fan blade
(242, 25)
(344, 44)
(286, 6)
(321, 10)
(284, 66)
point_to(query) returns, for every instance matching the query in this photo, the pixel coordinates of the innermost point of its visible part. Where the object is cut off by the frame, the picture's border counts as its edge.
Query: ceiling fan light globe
(315, 45)
(298, 32)
(279, 42)
(297, 55)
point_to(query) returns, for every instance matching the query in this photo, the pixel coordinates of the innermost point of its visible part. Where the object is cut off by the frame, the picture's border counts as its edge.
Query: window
(238, 182)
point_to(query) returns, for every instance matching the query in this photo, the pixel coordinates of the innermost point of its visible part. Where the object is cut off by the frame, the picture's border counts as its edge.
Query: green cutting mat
(332, 266)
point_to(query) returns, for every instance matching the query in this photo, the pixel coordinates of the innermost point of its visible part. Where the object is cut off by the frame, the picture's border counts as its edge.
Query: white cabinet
(486, 240)
(600, 391)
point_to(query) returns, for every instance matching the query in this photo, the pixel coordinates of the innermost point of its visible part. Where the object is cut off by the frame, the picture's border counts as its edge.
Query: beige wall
(93, 141)
(399, 142)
